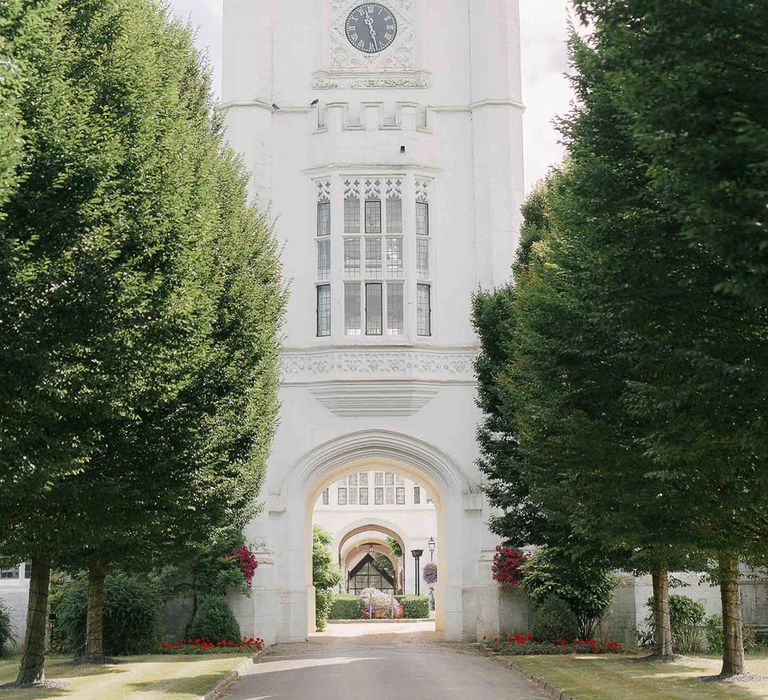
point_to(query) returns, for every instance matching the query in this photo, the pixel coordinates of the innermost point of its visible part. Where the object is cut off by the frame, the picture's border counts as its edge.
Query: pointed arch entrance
(293, 505)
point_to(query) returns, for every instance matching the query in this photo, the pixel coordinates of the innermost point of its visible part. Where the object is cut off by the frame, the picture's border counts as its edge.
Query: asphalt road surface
(379, 661)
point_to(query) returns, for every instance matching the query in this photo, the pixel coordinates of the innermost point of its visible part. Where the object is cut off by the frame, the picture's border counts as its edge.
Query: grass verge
(611, 677)
(146, 677)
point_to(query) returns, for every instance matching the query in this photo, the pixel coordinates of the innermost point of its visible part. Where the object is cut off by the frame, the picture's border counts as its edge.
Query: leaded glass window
(324, 219)
(323, 310)
(373, 216)
(352, 215)
(395, 310)
(373, 309)
(324, 260)
(352, 309)
(422, 258)
(373, 262)
(422, 218)
(352, 259)
(394, 257)
(424, 310)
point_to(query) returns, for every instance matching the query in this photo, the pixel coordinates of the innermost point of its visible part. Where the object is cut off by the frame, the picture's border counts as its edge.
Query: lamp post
(431, 544)
(416, 556)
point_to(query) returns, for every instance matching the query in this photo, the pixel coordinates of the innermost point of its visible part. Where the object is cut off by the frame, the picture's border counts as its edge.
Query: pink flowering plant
(507, 566)
(246, 560)
(379, 605)
(430, 573)
(200, 645)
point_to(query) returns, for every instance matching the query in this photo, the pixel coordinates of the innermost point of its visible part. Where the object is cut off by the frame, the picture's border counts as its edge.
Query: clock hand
(369, 22)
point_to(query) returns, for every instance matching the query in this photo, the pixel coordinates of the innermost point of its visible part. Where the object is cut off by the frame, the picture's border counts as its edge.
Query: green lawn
(611, 677)
(145, 677)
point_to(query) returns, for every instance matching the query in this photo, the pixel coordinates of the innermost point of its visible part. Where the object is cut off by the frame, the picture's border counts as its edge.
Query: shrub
(713, 630)
(6, 628)
(555, 621)
(131, 615)
(323, 603)
(214, 620)
(415, 607)
(346, 607)
(687, 620)
(585, 586)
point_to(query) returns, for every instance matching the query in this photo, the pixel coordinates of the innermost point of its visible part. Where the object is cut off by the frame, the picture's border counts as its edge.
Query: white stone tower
(386, 140)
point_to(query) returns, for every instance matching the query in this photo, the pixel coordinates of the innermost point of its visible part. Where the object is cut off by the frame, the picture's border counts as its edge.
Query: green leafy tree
(559, 443)
(151, 298)
(698, 333)
(693, 73)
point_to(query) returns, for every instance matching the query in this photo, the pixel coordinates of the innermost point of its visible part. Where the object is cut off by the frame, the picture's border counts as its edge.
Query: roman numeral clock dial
(371, 28)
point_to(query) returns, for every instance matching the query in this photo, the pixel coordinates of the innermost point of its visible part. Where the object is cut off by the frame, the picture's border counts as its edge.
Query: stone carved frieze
(426, 365)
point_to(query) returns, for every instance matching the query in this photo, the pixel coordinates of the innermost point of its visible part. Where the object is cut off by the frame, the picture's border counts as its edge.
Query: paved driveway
(379, 661)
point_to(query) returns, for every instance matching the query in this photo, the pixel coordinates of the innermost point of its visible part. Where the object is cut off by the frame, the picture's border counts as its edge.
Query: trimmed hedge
(346, 607)
(415, 607)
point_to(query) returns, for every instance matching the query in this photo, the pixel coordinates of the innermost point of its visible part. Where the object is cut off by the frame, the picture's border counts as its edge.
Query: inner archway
(377, 517)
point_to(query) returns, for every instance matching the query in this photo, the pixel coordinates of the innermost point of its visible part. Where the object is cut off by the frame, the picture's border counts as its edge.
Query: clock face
(371, 27)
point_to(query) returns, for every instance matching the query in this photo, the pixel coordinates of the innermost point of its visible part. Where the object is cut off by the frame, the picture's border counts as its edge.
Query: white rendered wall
(14, 593)
(448, 91)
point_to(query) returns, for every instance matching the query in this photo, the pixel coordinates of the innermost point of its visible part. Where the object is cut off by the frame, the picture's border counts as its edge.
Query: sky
(546, 91)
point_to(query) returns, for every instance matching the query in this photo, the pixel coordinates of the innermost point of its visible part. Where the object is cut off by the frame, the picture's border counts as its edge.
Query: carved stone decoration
(394, 188)
(390, 83)
(448, 366)
(372, 189)
(422, 190)
(345, 59)
(329, 81)
(351, 189)
(323, 190)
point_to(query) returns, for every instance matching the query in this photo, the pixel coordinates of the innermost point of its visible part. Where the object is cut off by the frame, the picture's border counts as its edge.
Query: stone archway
(286, 604)
(349, 549)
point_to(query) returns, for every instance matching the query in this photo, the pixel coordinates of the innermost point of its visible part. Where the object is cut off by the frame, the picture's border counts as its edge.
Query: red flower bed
(524, 645)
(248, 645)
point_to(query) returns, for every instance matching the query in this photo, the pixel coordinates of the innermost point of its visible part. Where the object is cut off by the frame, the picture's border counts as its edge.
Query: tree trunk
(660, 577)
(32, 666)
(733, 631)
(94, 626)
